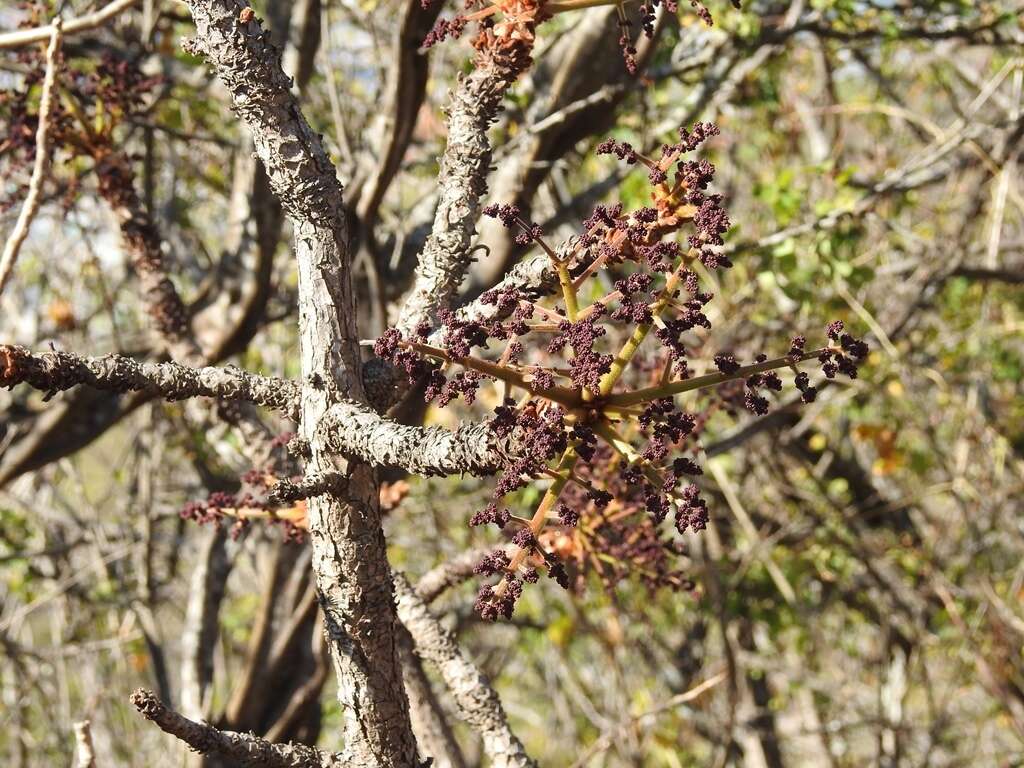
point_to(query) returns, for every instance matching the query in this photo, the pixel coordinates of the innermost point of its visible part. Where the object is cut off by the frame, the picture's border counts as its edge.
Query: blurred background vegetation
(858, 594)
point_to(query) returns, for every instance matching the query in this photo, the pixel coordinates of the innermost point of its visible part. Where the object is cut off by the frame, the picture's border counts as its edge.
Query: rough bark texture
(463, 181)
(247, 750)
(433, 733)
(352, 429)
(349, 557)
(313, 485)
(54, 372)
(478, 703)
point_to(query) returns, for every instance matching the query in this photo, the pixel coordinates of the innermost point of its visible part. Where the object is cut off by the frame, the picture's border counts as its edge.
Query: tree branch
(21, 37)
(250, 751)
(448, 574)
(54, 372)
(41, 166)
(478, 703)
(354, 430)
(349, 553)
(463, 181)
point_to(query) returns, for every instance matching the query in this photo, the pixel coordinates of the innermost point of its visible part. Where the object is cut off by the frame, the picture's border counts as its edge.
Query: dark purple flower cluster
(212, 511)
(661, 256)
(667, 422)
(753, 401)
(803, 382)
(726, 363)
(587, 366)
(627, 47)
(491, 514)
(460, 336)
(504, 300)
(632, 310)
(847, 358)
(443, 391)
(542, 438)
(691, 138)
(692, 512)
(607, 498)
(567, 515)
(444, 29)
(389, 347)
(494, 602)
(511, 217)
(524, 538)
(604, 217)
(621, 149)
(495, 561)
(585, 440)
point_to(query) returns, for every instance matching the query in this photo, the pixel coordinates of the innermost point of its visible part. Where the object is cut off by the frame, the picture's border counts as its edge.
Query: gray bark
(351, 429)
(462, 182)
(349, 558)
(57, 371)
(477, 702)
(247, 750)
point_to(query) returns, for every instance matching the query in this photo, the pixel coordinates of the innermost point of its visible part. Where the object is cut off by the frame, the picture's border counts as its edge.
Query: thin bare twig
(21, 37)
(608, 738)
(42, 162)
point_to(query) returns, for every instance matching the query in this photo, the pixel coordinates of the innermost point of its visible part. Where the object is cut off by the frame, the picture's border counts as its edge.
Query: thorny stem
(648, 394)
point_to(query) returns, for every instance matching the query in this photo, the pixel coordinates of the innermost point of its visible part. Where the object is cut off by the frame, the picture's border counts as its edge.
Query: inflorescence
(593, 419)
(517, 19)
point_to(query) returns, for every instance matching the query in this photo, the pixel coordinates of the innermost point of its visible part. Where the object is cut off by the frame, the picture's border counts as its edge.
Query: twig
(463, 180)
(42, 160)
(248, 750)
(477, 702)
(54, 372)
(285, 491)
(22, 37)
(450, 573)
